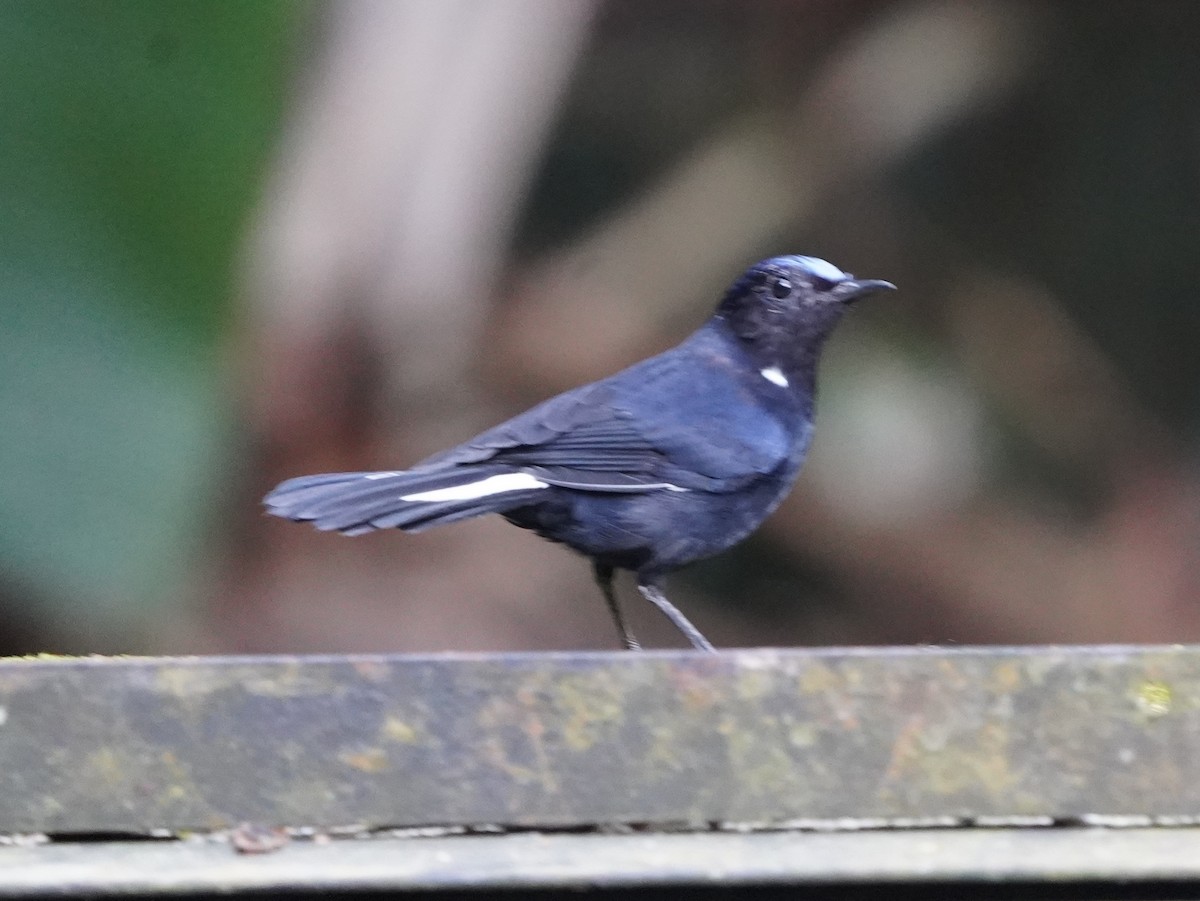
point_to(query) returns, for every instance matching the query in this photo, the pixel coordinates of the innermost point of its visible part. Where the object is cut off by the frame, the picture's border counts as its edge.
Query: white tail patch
(774, 375)
(509, 481)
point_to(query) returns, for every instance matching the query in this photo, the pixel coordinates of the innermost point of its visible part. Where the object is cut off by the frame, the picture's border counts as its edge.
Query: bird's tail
(412, 500)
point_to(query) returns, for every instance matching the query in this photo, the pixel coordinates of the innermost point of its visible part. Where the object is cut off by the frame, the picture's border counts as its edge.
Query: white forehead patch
(821, 269)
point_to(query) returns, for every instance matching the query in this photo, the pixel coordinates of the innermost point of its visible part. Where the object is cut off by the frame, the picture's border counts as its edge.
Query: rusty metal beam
(741, 739)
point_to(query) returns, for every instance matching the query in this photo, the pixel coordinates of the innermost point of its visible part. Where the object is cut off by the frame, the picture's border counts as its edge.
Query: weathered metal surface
(882, 736)
(1118, 863)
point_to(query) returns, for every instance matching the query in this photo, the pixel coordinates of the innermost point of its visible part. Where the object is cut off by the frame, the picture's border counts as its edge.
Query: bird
(669, 461)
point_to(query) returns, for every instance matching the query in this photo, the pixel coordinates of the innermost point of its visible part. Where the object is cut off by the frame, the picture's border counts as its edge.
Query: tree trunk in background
(380, 245)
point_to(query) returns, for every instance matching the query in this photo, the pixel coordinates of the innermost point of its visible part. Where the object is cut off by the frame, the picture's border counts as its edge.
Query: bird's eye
(780, 288)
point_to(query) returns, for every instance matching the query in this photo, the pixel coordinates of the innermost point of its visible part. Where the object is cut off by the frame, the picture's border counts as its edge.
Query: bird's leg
(604, 578)
(654, 595)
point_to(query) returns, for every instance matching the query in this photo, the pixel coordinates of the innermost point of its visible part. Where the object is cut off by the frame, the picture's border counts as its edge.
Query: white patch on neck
(774, 375)
(509, 481)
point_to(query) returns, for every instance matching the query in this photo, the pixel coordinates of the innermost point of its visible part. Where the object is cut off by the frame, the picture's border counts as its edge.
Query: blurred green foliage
(135, 135)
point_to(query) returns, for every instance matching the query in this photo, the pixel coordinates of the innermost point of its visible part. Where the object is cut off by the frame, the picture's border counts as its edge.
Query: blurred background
(245, 241)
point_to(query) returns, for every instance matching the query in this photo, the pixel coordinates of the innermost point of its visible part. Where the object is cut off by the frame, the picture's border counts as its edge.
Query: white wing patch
(774, 375)
(509, 481)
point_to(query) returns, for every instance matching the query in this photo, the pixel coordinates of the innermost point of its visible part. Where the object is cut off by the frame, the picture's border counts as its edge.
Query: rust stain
(372, 670)
(522, 711)
(696, 692)
(495, 753)
(535, 729)
(950, 763)
(369, 760)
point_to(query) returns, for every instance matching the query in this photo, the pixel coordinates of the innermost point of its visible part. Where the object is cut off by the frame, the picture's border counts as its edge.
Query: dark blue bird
(674, 459)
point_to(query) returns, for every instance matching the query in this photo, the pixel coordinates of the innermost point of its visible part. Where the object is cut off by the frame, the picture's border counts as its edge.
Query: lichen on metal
(760, 737)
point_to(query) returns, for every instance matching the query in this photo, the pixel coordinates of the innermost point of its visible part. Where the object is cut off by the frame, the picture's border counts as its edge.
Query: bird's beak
(853, 289)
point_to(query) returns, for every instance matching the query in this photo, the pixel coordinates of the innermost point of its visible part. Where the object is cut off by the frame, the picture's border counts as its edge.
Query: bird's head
(782, 309)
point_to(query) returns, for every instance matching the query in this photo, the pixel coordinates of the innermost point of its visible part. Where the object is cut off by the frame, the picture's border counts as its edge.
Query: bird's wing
(700, 411)
(649, 427)
(579, 439)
